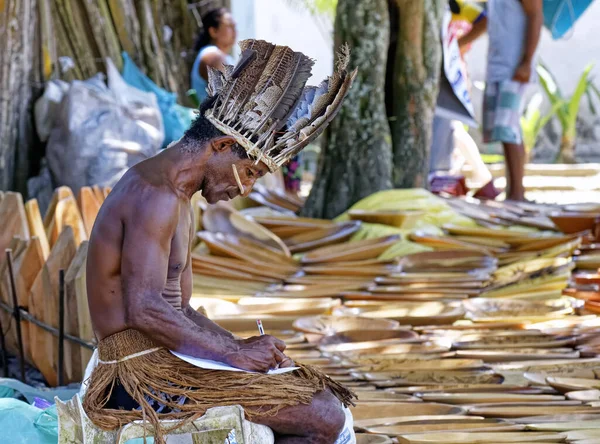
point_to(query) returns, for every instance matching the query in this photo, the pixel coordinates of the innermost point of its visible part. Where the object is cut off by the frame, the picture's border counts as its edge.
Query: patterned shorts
(502, 109)
(120, 399)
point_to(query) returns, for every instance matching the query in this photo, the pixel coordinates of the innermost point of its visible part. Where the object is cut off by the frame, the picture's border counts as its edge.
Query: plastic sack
(22, 423)
(101, 132)
(89, 368)
(41, 187)
(45, 109)
(176, 118)
(9, 387)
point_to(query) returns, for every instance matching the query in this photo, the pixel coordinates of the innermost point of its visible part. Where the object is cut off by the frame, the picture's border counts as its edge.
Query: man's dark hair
(201, 132)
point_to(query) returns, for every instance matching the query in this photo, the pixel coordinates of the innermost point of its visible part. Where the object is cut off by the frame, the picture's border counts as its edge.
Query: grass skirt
(146, 371)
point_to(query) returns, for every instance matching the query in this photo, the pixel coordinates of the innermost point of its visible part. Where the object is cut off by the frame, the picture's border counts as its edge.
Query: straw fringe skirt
(150, 373)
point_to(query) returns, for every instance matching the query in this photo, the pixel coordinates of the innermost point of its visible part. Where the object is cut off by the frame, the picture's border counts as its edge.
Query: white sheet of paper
(214, 365)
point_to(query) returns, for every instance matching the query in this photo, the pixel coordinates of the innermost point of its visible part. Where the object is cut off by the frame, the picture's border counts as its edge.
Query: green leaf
(544, 120)
(492, 158)
(575, 101)
(553, 93)
(548, 82)
(326, 6)
(316, 6)
(533, 121)
(191, 93)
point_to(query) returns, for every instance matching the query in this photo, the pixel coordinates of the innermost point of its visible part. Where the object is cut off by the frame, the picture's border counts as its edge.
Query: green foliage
(492, 158)
(566, 109)
(532, 122)
(193, 96)
(326, 7)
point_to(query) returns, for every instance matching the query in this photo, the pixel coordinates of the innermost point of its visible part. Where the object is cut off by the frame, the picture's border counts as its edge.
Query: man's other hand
(259, 354)
(523, 73)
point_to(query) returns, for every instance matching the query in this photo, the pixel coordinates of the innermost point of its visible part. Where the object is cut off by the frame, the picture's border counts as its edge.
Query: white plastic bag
(100, 132)
(45, 109)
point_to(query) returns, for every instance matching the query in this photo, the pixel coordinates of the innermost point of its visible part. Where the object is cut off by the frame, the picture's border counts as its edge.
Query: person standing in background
(514, 29)
(466, 15)
(213, 46)
(451, 136)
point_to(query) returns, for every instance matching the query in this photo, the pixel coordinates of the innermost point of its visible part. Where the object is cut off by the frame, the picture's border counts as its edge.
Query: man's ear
(222, 144)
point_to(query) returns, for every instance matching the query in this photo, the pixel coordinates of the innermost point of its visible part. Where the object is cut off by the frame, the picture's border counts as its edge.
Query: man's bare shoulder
(139, 201)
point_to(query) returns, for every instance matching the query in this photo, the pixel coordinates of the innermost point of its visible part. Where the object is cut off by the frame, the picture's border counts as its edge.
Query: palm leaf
(553, 93)
(575, 101)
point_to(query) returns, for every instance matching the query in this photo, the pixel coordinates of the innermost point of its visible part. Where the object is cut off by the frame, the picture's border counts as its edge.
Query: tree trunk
(18, 21)
(415, 84)
(356, 158)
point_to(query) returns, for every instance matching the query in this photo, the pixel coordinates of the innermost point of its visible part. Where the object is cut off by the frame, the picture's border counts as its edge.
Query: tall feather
(334, 83)
(245, 86)
(271, 82)
(266, 91)
(237, 89)
(216, 79)
(280, 105)
(247, 56)
(274, 70)
(293, 91)
(302, 109)
(312, 131)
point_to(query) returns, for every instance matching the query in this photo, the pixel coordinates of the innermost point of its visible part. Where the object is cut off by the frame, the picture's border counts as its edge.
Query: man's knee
(331, 420)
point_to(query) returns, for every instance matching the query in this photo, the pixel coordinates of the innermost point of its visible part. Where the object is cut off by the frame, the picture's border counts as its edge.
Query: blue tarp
(24, 423)
(9, 386)
(21, 423)
(561, 15)
(176, 118)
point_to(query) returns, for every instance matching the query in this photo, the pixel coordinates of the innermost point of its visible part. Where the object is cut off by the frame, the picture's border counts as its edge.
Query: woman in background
(213, 45)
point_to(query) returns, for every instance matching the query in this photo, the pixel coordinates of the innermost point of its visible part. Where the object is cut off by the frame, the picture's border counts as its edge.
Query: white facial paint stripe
(237, 179)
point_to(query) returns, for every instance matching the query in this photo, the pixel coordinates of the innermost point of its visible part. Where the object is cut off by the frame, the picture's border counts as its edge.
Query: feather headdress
(264, 103)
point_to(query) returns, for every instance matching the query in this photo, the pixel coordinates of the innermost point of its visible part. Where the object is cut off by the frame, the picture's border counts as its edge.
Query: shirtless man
(258, 116)
(139, 261)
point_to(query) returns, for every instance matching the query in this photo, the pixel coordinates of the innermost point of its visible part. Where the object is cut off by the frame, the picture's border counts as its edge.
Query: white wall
(279, 22)
(243, 14)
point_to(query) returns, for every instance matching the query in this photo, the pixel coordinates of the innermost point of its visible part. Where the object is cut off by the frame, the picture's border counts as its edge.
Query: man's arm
(186, 295)
(535, 20)
(479, 28)
(148, 232)
(213, 58)
(198, 318)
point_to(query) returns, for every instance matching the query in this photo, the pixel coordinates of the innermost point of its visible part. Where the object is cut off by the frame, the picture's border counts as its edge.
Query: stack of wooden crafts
(586, 277)
(40, 248)
(449, 330)
(467, 340)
